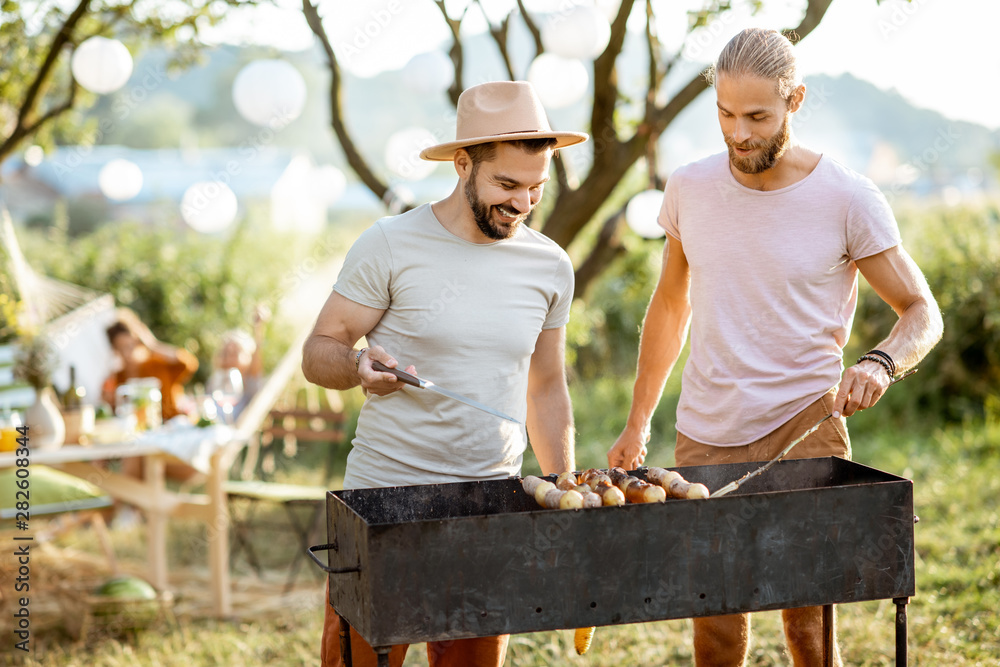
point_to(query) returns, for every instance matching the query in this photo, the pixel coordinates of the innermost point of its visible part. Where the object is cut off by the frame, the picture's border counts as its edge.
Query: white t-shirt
(467, 316)
(773, 290)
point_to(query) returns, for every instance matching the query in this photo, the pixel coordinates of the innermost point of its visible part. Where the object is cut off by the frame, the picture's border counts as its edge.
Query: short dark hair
(117, 329)
(486, 152)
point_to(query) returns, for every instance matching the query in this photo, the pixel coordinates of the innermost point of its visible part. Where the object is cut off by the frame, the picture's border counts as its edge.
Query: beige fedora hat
(499, 111)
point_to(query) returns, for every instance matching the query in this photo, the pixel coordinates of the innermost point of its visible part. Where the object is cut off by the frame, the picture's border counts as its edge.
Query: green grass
(954, 619)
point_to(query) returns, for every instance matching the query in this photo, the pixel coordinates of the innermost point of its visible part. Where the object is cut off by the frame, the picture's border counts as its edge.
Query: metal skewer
(732, 486)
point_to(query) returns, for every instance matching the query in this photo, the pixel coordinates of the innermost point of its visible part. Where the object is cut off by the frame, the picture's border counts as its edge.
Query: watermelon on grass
(128, 602)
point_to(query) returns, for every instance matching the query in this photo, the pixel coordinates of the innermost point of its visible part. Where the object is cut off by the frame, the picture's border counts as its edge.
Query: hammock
(45, 299)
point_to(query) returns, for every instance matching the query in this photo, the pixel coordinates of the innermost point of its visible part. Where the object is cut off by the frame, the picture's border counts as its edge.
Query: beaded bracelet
(892, 364)
(357, 358)
(878, 360)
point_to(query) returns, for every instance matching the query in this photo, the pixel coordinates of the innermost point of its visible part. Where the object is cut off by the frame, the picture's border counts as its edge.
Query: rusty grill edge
(449, 561)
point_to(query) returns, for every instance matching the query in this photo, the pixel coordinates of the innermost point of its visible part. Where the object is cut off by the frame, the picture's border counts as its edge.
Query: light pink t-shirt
(773, 290)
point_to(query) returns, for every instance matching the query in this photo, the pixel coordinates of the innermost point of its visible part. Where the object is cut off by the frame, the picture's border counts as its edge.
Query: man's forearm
(329, 363)
(550, 429)
(664, 330)
(917, 331)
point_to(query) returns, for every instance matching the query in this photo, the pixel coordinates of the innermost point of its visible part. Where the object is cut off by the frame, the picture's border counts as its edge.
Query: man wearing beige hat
(464, 292)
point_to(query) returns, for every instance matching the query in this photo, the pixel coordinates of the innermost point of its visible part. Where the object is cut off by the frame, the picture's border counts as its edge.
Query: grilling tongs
(420, 383)
(732, 486)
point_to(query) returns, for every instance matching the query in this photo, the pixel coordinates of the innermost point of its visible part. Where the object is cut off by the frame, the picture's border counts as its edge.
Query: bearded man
(764, 245)
(463, 290)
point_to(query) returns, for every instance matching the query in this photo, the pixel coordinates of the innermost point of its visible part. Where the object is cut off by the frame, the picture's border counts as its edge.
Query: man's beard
(481, 212)
(771, 151)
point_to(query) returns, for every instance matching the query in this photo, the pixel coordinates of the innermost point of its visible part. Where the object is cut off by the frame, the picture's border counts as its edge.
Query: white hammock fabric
(45, 299)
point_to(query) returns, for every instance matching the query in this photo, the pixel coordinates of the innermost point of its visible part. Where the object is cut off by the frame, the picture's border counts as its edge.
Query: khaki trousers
(724, 641)
(831, 439)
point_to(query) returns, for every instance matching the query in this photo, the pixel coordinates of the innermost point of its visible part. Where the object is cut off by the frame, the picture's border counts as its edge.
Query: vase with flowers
(34, 363)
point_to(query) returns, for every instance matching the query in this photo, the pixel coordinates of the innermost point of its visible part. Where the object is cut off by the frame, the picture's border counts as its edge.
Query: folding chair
(244, 500)
(303, 505)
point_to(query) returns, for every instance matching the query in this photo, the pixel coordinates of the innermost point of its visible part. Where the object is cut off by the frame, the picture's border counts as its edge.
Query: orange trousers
(476, 652)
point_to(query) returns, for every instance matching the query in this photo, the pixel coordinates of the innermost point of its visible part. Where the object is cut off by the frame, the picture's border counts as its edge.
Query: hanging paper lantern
(402, 153)
(209, 206)
(33, 155)
(269, 93)
(120, 180)
(559, 81)
(642, 211)
(101, 65)
(580, 32)
(328, 183)
(429, 73)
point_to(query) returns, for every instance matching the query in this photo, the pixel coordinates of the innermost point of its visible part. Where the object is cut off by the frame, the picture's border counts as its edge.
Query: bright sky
(940, 54)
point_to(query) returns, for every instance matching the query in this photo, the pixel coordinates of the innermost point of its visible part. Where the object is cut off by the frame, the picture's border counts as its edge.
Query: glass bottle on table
(75, 394)
(225, 386)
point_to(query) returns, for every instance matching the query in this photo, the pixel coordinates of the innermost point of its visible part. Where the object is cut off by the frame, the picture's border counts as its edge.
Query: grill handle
(323, 566)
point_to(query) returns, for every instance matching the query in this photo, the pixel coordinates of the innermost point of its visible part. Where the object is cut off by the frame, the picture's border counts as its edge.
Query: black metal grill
(449, 561)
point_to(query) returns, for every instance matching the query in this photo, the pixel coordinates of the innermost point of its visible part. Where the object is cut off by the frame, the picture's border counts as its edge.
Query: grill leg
(901, 630)
(828, 635)
(383, 655)
(345, 642)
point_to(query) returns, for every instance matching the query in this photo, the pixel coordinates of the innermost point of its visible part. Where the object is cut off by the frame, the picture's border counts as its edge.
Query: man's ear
(463, 163)
(797, 98)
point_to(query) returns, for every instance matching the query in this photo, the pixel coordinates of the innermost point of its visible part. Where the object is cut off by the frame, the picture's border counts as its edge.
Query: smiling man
(764, 246)
(464, 291)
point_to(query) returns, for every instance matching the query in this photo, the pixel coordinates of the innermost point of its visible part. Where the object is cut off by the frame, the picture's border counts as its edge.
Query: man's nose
(741, 131)
(521, 201)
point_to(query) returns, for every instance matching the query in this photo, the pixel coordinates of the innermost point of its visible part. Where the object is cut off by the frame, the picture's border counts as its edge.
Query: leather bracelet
(892, 364)
(878, 360)
(357, 358)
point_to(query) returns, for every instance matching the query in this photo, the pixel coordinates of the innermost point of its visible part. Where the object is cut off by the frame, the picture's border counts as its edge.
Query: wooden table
(152, 497)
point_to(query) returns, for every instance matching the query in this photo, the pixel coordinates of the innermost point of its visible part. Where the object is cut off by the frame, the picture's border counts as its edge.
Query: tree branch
(606, 79)
(354, 157)
(55, 111)
(499, 35)
(815, 11)
(606, 248)
(62, 38)
(536, 34)
(455, 52)
(23, 127)
(655, 73)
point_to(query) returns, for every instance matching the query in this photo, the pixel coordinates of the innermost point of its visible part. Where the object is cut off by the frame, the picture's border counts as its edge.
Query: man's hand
(376, 382)
(861, 387)
(629, 450)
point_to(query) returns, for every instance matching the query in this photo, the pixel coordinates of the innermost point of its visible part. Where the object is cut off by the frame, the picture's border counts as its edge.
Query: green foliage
(11, 309)
(959, 253)
(40, 101)
(188, 288)
(603, 333)
(35, 361)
